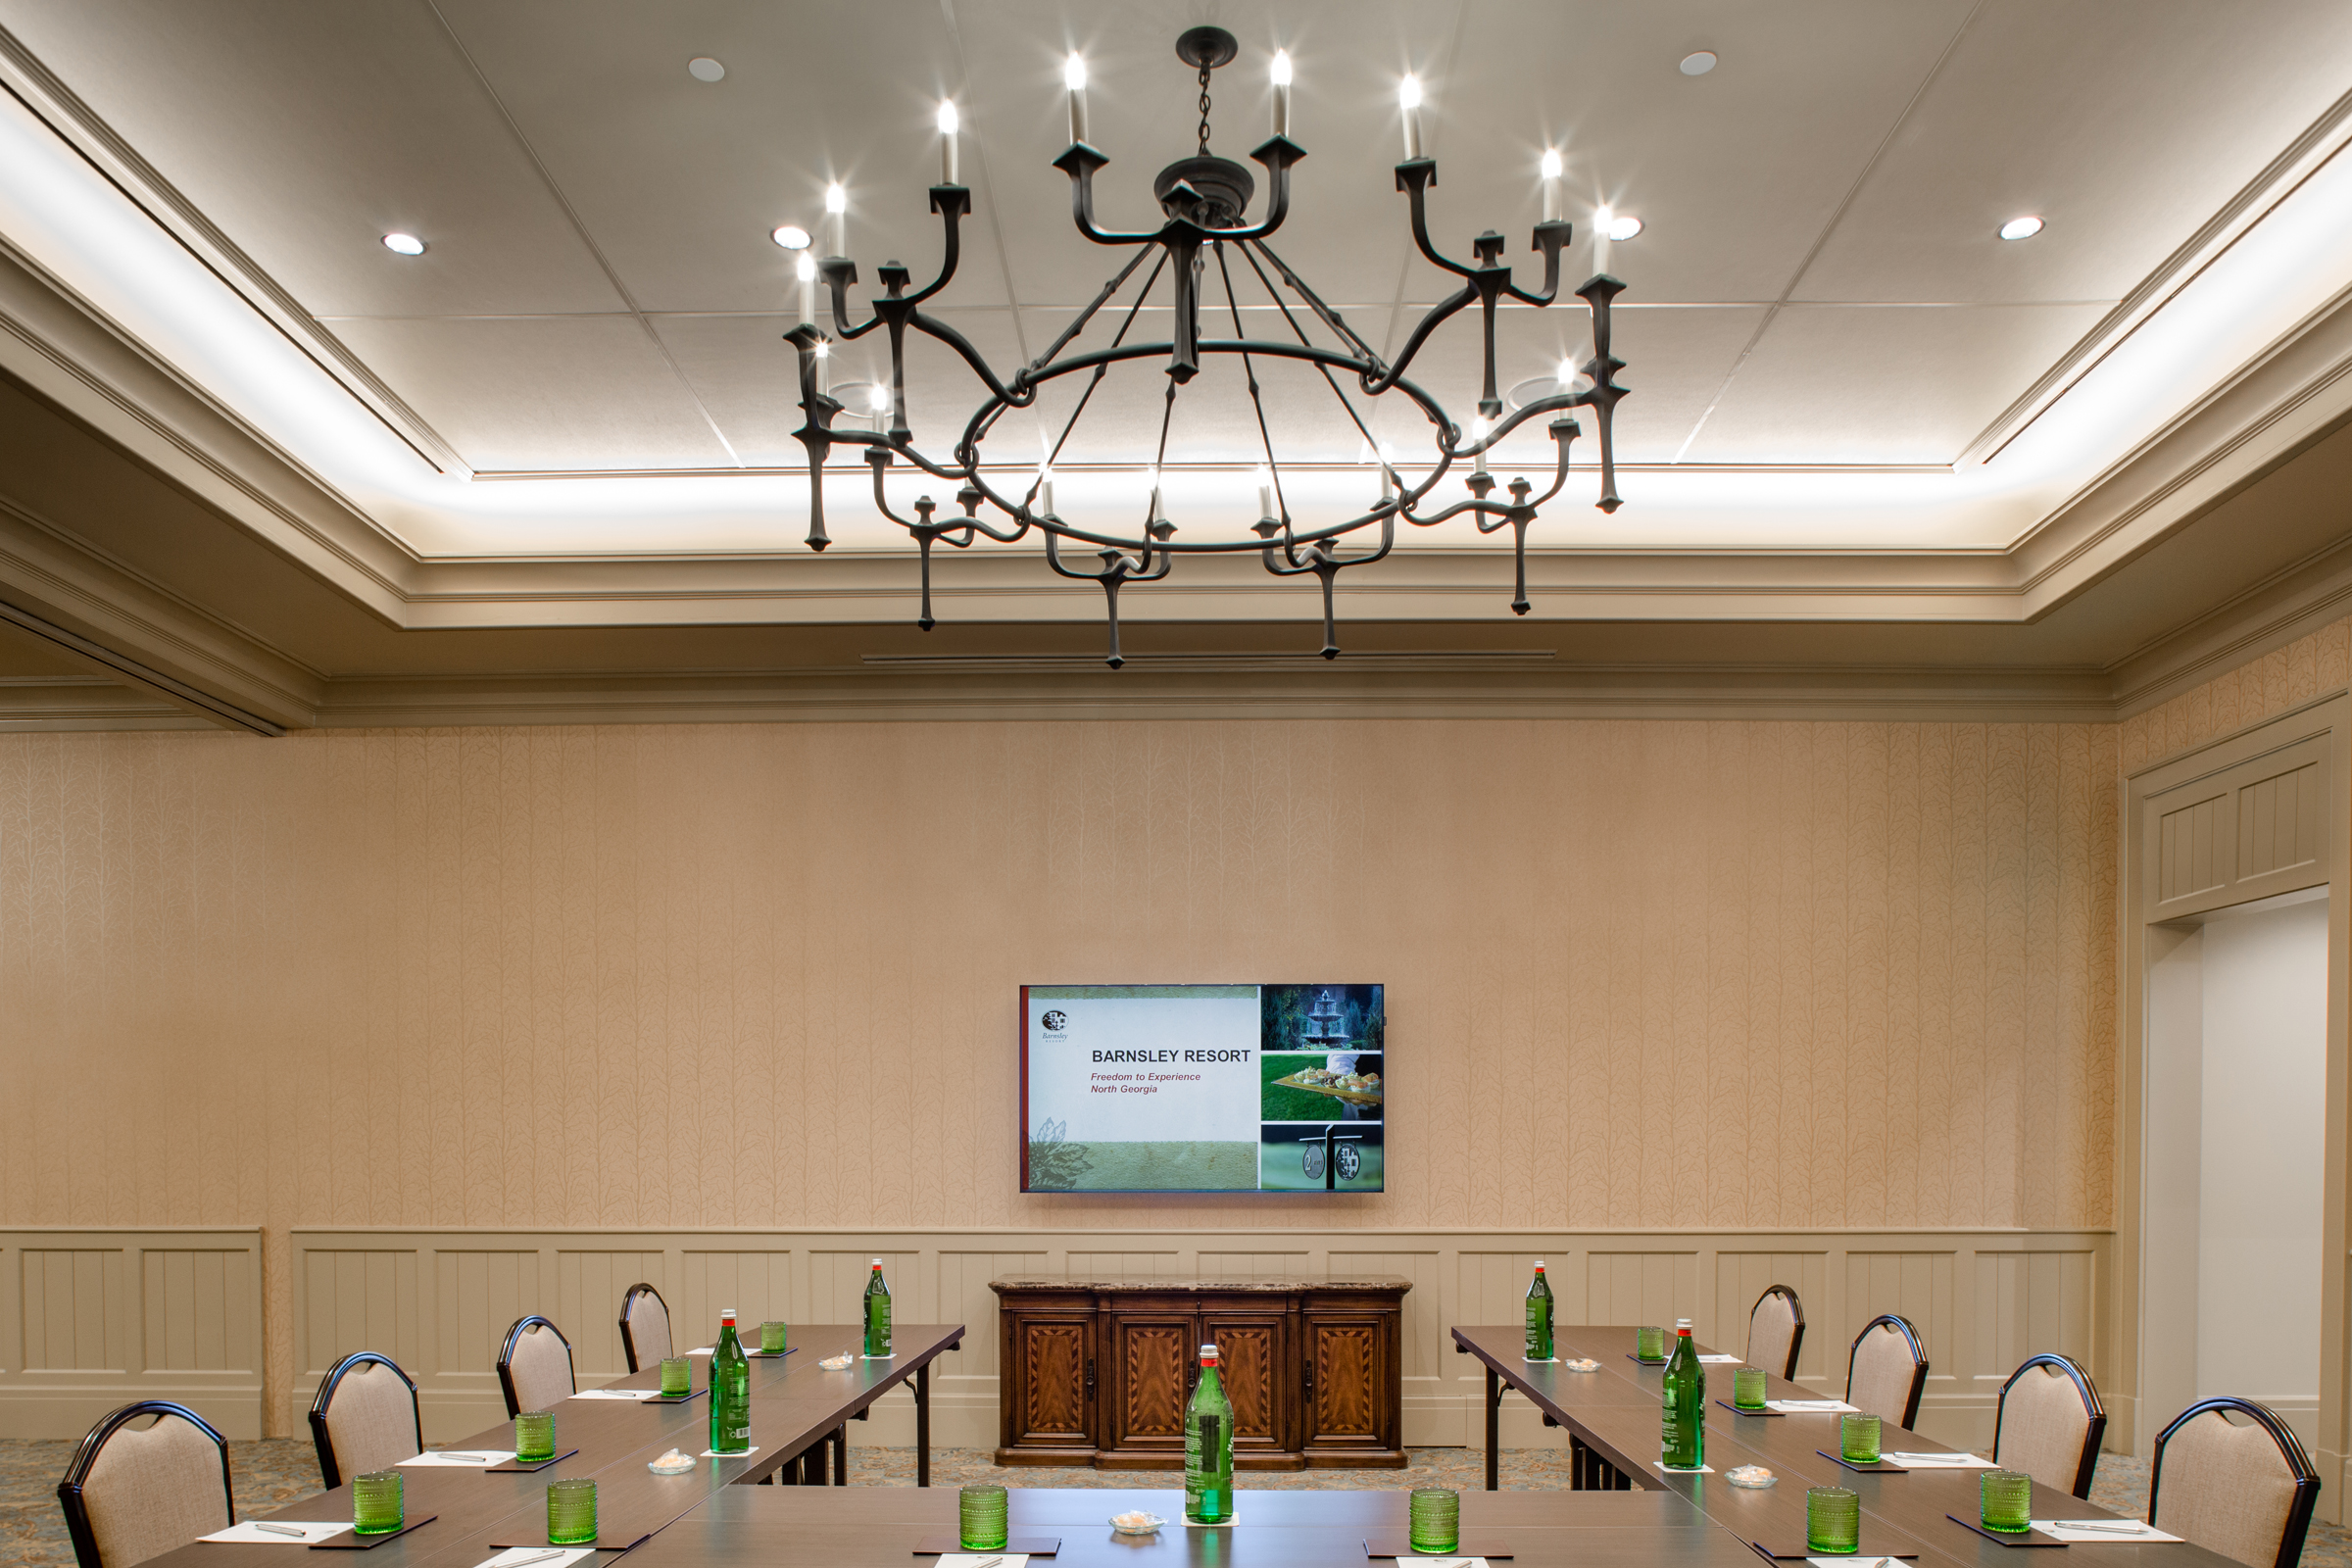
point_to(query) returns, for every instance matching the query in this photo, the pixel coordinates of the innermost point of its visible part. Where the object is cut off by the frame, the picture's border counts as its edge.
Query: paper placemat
(2072, 1530)
(1851, 1562)
(1937, 1461)
(529, 1467)
(251, 1533)
(1813, 1406)
(2004, 1537)
(352, 1541)
(1660, 1466)
(1798, 1551)
(1874, 1467)
(617, 1394)
(537, 1557)
(615, 1538)
(1445, 1563)
(469, 1459)
(1724, 1360)
(976, 1559)
(1538, 1360)
(714, 1453)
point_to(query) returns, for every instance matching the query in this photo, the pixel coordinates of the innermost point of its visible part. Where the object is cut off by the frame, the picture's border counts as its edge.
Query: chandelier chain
(1205, 110)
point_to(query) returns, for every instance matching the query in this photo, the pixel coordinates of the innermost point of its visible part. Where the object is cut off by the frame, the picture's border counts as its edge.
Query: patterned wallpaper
(2284, 678)
(1642, 974)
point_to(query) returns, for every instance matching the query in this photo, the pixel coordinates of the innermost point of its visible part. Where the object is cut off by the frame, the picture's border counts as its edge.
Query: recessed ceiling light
(1623, 228)
(792, 236)
(1698, 64)
(2021, 228)
(702, 68)
(404, 244)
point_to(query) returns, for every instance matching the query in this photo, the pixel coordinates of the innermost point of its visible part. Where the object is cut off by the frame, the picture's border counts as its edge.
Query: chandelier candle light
(1206, 243)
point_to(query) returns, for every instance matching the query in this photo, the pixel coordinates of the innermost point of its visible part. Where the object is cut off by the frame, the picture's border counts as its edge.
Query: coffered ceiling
(566, 424)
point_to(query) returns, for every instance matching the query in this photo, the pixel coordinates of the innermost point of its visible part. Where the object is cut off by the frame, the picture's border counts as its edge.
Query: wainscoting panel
(91, 1320)
(2025, 1291)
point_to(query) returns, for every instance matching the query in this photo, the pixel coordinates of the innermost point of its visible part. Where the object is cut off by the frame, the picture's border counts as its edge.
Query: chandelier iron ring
(1205, 199)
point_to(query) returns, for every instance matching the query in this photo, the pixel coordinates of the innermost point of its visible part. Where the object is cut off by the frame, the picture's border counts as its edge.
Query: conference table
(799, 1410)
(1612, 1418)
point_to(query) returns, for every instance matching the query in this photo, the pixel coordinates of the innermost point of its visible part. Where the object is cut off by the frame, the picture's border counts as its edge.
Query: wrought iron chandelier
(1205, 199)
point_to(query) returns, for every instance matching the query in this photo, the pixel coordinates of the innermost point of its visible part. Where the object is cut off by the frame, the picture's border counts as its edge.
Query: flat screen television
(1203, 1089)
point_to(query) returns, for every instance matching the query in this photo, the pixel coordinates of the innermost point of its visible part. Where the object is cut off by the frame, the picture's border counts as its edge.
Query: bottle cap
(1682, 1325)
(877, 1262)
(1539, 1265)
(1208, 1354)
(727, 1318)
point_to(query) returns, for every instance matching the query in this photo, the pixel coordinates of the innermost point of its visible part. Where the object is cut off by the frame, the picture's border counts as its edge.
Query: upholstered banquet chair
(1886, 1370)
(645, 1327)
(534, 1366)
(364, 1418)
(2240, 1487)
(2049, 1424)
(1776, 1328)
(131, 1494)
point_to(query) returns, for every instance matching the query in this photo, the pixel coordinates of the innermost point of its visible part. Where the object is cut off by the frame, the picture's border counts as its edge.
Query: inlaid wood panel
(1639, 1288)
(1054, 1406)
(2195, 849)
(589, 1285)
(73, 1310)
(2029, 1302)
(478, 1297)
(195, 1306)
(1152, 1358)
(2278, 821)
(1249, 1266)
(1345, 1401)
(361, 1300)
(1246, 1354)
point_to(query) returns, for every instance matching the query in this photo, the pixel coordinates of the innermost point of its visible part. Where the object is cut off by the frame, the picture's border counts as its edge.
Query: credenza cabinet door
(1255, 1354)
(1152, 1356)
(1347, 1371)
(1050, 1365)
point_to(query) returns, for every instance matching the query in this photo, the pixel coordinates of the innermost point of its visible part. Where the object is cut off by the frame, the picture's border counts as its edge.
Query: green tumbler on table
(981, 1514)
(1433, 1519)
(1539, 1318)
(570, 1514)
(771, 1339)
(1209, 1448)
(677, 1376)
(1748, 1388)
(1683, 1405)
(1650, 1342)
(535, 1435)
(375, 1503)
(2005, 1500)
(877, 1316)
(1858, 1438)
(1832, 1521)
(730, 1391)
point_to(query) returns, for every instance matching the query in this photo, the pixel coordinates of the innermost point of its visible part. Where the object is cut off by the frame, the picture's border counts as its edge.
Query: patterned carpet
(275, 1471)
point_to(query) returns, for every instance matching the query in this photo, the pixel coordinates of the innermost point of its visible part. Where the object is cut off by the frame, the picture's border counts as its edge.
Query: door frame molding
(2327, 718)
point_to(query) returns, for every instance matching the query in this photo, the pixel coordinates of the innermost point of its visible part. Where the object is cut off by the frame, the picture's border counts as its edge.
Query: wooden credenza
(1099, 1371)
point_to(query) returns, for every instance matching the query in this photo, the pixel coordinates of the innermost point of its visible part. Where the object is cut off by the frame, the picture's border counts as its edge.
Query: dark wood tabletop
(786, 1527)
(1901, 1512)
(796, 1405)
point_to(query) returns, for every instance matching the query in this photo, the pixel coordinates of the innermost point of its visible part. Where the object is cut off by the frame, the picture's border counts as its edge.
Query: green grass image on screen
(1283, 1158)
(1282, 1102)
(1173, 1166)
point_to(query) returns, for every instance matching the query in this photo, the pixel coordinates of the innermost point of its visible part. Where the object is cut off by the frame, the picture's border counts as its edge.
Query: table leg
(923, 1425)
(1494, 1430)
(841, 1454)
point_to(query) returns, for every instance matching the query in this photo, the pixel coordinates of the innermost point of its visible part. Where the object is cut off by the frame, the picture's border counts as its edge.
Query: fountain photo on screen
(1202, 1088)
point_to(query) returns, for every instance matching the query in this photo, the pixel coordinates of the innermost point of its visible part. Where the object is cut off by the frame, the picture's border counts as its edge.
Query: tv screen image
(1203, 1088)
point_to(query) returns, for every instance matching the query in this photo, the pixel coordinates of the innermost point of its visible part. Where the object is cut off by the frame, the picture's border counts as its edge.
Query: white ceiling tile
(547, 392)
(1882, 383)
(307, 133)
(2124, 125)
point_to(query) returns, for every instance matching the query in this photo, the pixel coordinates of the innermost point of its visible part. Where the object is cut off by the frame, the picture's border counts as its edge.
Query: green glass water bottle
(730, 1391)
(1683, 1405)
(1539, 1318)
(877, 1316)
(1209, 1448)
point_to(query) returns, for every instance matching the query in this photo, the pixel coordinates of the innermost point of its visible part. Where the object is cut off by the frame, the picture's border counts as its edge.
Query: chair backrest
(2049, 1424)
(534, 1366)
(2245, 1492)
(364, 1418)
(1776, 1327)
(1886, 1370)
(645, 1327)
(131, 1494)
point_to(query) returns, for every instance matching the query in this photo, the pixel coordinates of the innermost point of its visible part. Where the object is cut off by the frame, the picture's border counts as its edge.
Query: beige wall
(1723, 975)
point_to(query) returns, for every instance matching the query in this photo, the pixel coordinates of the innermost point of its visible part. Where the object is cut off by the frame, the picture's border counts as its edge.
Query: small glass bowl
(671, 1464)
(1588, 1364)
(1135, 1524)
(1752, 1476)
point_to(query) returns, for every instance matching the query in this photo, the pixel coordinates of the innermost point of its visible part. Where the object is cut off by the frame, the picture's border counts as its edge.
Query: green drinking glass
(980, 1518)
(2005, 1502)
(1650, 1342)
(771, 1339)
(1747, 1388)
(1859, 1438)
(535, 1435)
(1435, 1519)
(375, 1503)
(1833, 1520)
(677, 1376)
(570, 1514)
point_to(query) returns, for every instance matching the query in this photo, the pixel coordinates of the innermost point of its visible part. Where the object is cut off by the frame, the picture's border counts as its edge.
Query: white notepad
(1724, 1360)
(1812, 1406)
(2074, 1532)
(250, 1532)
(618, 1394)
(1937, 1461)
(973, 1559)
(537, 1557)
(475, 1459)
